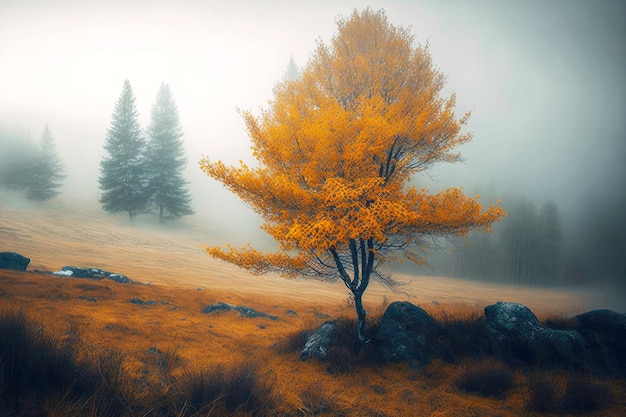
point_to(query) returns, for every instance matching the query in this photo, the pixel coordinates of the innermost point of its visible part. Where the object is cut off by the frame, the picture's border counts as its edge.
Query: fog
(544, 80)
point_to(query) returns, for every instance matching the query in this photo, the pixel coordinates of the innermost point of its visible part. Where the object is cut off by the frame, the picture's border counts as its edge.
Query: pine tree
(292, 72)
(17, 156)
(123, 177)
(166, 159)
(46, 173)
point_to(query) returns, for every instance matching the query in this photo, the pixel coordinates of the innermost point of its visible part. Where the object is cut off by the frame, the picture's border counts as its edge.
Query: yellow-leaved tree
(336, 151)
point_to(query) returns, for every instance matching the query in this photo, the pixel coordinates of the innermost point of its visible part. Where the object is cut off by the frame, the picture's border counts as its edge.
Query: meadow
(111, 349)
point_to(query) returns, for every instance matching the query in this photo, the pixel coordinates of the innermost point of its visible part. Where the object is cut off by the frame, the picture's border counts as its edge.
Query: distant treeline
(33, 168)
(527, 248)
(524, 248)
(532, 246)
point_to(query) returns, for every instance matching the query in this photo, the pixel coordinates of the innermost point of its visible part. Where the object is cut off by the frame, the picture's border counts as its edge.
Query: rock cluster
(511, 331)
(92, 273)
(17, 262)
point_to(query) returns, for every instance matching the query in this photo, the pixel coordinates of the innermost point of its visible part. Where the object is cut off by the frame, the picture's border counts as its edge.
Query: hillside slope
(170, 255)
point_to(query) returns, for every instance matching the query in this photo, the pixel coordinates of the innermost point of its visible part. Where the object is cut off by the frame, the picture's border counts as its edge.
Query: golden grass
(176, 329)
(185, 280)
(87, 237)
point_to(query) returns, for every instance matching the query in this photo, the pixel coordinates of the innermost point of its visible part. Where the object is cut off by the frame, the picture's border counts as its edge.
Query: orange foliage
(337, 149)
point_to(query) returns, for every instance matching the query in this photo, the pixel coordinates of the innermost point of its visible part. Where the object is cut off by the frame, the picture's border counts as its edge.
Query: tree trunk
(360, 313)
(358, 285)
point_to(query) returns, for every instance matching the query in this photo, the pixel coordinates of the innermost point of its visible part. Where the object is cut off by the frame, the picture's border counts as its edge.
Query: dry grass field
(161, 357)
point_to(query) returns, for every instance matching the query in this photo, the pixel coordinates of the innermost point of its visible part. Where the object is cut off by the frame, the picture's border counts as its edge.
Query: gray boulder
(605, 332)
(14, 261)
(406, 334)
(319, 341)
(242, 310)
(516, 335)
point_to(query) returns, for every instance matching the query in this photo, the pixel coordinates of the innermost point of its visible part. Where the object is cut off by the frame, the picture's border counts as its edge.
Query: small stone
(242, 310)
(319, 341)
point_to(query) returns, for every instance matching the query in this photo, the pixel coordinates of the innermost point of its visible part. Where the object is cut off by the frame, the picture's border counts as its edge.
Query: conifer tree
(123, 177)
(165, 159)
(292, 73)
(46, 173)
(17, 156)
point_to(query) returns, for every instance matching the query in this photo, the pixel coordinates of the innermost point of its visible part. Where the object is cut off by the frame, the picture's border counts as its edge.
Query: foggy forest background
(544, 81)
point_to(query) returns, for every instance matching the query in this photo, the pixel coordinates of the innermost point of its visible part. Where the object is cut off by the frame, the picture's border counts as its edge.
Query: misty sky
(544, 79)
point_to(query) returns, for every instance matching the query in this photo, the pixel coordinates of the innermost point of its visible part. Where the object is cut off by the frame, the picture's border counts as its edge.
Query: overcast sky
(544, 79)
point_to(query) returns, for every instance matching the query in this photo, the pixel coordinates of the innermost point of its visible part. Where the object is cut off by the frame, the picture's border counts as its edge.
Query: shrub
(579, 396)
(463, 337)
(560, 322)
(243, 387)
(542, 394)
(489, 378)
(37, 369)
(39, 372)
(293, 343)
(317, 401)
(201, 389)
(105, 387)
(582, 395)
(347, 354)
(31, 361)
(233, 388)
(164, 361)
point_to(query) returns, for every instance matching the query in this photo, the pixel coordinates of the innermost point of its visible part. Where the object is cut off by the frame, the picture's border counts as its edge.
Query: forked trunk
(362, 254)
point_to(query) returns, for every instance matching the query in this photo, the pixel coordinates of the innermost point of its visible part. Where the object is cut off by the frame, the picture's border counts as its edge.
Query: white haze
(544, 80)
